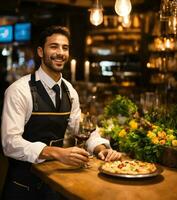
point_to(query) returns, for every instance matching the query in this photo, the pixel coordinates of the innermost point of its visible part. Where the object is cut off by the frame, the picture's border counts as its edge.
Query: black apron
(45, 125)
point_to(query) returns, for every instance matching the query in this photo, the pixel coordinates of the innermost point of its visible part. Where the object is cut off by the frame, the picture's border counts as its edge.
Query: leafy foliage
(141, 137)
(161, 117)
(120, 105)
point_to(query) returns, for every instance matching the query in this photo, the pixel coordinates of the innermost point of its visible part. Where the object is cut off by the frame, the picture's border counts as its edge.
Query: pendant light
(123, 7)
(96, 14)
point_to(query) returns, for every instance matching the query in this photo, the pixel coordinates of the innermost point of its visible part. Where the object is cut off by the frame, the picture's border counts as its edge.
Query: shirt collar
(46, 79)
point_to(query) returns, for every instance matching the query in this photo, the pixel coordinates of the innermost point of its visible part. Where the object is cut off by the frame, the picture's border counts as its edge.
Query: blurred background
(132, 52)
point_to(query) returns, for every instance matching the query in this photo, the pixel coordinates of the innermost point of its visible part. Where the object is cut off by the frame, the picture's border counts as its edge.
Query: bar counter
(90, 184)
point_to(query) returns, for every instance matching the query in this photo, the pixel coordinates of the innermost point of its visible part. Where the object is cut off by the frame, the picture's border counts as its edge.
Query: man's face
(55, 53)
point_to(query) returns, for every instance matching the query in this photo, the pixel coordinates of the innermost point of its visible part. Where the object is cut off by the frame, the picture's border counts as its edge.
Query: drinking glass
(149, 100)
(86, 126)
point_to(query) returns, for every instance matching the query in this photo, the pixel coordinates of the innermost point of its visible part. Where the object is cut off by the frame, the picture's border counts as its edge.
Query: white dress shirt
(17, 110)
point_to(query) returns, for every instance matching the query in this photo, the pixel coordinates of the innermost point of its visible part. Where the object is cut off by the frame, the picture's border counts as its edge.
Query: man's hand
(106, 154)
(70, 156)
(73, 156)
(109, 155)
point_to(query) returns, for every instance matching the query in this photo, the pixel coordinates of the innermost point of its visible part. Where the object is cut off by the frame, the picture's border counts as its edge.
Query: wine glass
(86, 126)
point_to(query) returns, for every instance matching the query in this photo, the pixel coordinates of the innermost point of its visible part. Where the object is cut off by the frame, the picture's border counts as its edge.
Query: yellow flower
(122, 133)
(170, 137)
(161, 135)
(174, 143)
(133, 124)
(150, 134)
(154, 126)
(162, 142)
(170, 131)
(155, 140)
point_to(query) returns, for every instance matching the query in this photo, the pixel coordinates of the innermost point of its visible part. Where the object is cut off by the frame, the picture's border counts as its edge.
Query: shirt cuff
(38, 146)
(95, 140)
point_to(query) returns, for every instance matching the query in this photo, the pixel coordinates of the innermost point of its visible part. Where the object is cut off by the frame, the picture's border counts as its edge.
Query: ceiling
(7, 4)
(45, 8)
(85, 3)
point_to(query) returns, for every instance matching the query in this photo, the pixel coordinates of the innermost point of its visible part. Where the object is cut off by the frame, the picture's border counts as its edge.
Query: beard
(49, 62)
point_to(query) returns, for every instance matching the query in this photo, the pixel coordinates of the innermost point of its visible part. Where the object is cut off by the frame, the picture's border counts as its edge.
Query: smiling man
(35, 118)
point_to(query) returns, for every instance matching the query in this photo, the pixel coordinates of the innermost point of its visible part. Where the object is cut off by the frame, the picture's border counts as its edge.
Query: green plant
(138, 136)
(120, 105)
(162, 117)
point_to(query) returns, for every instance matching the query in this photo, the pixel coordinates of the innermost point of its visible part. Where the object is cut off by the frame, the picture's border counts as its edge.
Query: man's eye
(66, 48)
(53, 47)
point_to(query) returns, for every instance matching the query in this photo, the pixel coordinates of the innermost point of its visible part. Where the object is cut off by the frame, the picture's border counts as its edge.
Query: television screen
(6, 34)
(22, 32)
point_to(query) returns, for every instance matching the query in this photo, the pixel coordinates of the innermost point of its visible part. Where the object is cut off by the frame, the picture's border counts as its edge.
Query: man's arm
(17, 106)
(71, 156)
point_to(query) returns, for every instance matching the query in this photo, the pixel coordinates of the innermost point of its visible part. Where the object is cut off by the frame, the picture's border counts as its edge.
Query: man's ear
(40, 52)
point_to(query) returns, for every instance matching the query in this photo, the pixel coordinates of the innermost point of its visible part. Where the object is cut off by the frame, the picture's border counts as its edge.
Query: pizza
(131, 167)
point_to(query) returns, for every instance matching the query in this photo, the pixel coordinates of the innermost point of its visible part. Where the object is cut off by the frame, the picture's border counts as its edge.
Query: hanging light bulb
(96, 14)
(126, 22)
(123, 7)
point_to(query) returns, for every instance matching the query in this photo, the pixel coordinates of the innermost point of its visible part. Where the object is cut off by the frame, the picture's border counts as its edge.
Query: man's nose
(60, 50)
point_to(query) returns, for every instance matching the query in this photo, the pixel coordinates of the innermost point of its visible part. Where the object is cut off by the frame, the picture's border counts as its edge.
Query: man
(33, 121)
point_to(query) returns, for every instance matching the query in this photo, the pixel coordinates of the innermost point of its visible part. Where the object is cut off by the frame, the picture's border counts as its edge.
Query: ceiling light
(96, 14)
(123, 7)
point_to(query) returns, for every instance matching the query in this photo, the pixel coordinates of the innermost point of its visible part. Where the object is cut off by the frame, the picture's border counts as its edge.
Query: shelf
(115, 30)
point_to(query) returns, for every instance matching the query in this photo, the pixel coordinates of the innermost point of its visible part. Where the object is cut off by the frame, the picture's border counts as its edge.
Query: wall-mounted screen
(22, 32)
(6, 34)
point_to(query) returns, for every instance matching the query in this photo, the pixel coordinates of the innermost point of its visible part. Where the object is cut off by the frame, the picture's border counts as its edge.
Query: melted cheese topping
(129, 167)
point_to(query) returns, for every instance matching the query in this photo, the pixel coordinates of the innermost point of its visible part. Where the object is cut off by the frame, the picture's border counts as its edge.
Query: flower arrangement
(135, 134)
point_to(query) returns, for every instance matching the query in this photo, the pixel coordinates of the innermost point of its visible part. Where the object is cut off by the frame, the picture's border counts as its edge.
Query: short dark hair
(52, 30)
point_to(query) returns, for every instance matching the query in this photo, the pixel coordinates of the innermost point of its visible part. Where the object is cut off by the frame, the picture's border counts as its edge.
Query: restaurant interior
(133, 55)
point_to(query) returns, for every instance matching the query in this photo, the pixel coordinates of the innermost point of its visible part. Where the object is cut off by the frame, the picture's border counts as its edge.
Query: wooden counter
(89, 184)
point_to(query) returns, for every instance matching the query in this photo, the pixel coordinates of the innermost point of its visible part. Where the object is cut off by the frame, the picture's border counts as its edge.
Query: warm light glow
(148, 65)
(167, 43)
(136, 21)
(173, 24)
(73, 70)
(123, 7)
(126, 22)
(87, 70)
(162, 44)
(89, 40)
(96, 14)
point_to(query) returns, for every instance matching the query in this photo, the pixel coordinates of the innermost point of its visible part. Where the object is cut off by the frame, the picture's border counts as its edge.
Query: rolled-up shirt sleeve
(95, 140)
(17, 103)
